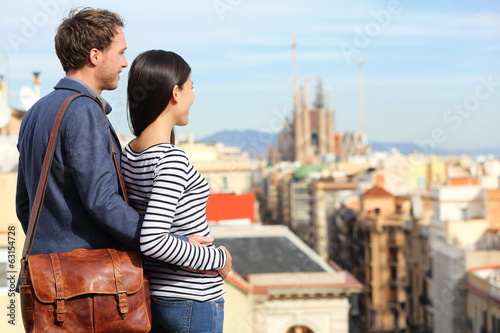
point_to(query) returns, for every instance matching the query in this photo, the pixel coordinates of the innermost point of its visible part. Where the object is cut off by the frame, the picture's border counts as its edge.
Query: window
(301, 202)
(373, 318)
(301, 214)
(300, 190)
(464, 214)
(396, 321)
(314, 139)
(421, 182)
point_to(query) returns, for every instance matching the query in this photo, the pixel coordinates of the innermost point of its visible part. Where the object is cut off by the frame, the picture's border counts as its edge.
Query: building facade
(459, 242)
(327, 196)
(483, 299)
(226, 169)
(418, 266)
(370, 244)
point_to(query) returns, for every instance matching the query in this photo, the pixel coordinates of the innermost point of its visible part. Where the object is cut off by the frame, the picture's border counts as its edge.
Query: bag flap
(85, 272)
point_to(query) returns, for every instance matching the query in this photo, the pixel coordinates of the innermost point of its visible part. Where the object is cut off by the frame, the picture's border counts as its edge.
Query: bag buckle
(117, 296)
(60, 310)
(122, 304)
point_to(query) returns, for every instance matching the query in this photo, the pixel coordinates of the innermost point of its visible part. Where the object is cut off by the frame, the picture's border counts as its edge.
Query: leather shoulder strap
(47, 162)
(118, 168)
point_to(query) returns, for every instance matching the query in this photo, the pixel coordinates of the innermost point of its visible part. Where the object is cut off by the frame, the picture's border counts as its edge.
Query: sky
(431, 69)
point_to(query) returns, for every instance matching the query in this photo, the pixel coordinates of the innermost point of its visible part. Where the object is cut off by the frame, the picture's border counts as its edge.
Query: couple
(83, 207)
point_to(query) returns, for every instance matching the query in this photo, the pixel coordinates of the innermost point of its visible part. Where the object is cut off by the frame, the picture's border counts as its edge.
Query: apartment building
(418, 266)
(275, 194)
(458, 241)
(369, 243)
(327, 196)
(226, 169)
(483, 299)
(415, 173)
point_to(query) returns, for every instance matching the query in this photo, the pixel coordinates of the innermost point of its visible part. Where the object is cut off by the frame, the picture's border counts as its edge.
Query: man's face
(108, 73)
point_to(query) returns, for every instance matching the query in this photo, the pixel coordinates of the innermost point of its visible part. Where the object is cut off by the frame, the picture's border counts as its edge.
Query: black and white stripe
(165, 187)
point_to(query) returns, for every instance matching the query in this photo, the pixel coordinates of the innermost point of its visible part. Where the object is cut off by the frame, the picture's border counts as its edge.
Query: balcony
(363, 242)
(397, 282)
(395, 305)
(394, 245)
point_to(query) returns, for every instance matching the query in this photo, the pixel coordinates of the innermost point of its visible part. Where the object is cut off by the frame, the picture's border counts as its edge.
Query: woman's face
(186, 99)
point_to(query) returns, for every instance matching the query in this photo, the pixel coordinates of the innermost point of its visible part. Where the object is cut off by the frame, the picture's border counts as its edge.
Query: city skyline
(431, 73)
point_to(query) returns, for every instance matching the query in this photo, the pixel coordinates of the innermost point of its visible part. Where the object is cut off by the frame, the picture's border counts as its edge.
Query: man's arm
(22, 199)
(87, 152)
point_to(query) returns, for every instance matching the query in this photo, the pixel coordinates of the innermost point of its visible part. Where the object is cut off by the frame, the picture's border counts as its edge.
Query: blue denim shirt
(82, 206)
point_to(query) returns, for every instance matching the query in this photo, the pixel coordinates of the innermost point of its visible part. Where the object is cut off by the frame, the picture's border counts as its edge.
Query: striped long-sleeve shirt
(165, 187)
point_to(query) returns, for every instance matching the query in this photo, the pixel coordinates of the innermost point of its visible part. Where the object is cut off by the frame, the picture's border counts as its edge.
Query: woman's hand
(224, 272)
(200, 240)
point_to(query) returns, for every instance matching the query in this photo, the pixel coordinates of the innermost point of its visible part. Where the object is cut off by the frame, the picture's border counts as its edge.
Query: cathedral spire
(320, 98)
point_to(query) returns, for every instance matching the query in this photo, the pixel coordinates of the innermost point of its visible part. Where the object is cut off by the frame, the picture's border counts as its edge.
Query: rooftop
(376, 192)
(268, 249)
(485, 282)
(276, 264)
(305, 170)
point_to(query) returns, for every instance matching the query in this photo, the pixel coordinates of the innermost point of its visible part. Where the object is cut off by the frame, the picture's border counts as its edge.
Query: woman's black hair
(151, 80)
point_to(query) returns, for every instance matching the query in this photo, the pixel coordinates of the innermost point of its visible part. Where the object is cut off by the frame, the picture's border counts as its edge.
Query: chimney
(36, 84)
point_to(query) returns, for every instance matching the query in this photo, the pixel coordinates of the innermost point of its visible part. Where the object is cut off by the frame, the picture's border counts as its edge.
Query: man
(82, 207)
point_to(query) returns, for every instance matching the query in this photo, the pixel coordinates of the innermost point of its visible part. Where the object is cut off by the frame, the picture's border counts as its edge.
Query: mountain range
(257, 143)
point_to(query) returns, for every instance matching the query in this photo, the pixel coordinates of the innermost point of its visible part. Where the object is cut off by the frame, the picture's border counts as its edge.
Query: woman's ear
(175, 94)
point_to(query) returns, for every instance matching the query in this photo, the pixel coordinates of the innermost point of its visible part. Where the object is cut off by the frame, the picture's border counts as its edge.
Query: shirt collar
(69, 83)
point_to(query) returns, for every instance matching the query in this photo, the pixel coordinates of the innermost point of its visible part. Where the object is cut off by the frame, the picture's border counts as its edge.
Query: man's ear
(95, 56)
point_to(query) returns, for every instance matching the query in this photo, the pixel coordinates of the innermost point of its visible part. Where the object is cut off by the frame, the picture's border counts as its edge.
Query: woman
(166, 188)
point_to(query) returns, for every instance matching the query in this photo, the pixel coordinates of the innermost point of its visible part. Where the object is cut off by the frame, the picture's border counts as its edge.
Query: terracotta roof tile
(376, 191)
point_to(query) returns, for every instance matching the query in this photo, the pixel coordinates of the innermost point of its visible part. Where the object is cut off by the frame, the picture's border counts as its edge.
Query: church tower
(323, 141)
(311, 129)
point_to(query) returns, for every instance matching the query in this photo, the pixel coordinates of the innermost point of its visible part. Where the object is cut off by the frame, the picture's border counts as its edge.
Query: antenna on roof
(361, 63)
(28, 95)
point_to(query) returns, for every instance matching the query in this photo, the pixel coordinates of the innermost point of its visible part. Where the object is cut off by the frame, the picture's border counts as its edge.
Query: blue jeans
(177, 316)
